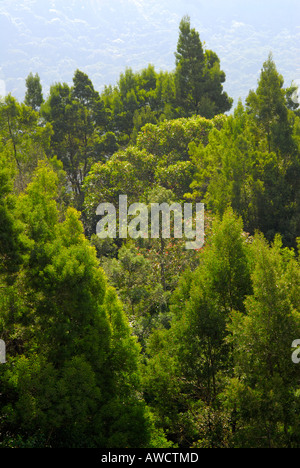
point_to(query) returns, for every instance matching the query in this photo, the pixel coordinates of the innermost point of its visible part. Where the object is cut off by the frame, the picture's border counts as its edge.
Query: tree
(169, 140)
(73, 381)
(10, 248)
(214, 101)
(140, 119)
(183, 376)
(24, 139)
(131, 103)
(134, 276)
(263, 393)
(190, 64)
(127, 172)
(165, 95)
(83, 89)
(219, 285)
(195, 87)
(78, 119)
(236, 169)
(268, 105)
(34, 96)
(198, 76)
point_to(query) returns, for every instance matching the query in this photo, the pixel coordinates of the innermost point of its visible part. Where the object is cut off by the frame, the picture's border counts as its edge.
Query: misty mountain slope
(102, 38)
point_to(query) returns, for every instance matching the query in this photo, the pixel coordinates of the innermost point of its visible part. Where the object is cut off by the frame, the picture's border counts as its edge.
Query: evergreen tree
(268, 105)
(24, 140)
(78, 119)
(190, 64)
(34, 95)
(198, 76)
(237, 169)
(263, 395)
(83, 89)
(74, 380)
(9, 242)
(183, 374)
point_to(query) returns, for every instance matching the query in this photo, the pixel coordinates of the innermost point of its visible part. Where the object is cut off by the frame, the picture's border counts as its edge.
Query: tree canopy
(133, 343)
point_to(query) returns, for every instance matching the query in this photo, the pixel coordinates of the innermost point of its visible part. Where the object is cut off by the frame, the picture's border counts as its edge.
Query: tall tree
(9, 242)
(182, 377)
(73, 381)
(263, 395)
(198, 76)
(190, 64)
(34, 95)
(83, 89)
(268, 105)
(237, 169)
(78, 119)
(24, 140)
(215, 100)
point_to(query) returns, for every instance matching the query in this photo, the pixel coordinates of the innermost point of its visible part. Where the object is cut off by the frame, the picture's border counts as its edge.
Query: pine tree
(198, 76)
(190, 66)
(263, 395)
(74, 377)
(34, 95)
(268, 106)
(10, 257)
(183, 373)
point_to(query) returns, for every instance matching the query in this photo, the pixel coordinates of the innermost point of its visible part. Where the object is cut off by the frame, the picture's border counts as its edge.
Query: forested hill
(102, 37)
(139, 342)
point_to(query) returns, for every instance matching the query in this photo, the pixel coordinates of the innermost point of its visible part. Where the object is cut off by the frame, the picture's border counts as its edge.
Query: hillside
(178, 333)
(101, 38)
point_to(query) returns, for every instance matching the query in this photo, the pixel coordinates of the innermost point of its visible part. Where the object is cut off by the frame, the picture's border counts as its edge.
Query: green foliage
(24, 141)
(9, 232)
(222, 376)
(115, 343)
(263, 393)
(34, 95)
(268, 105)
(237, 169)
(78, 119)
(193, 351)
(189, 67)
(159, 158)
(195, 87)
(170, 140)
(76, 380)
(198, 76)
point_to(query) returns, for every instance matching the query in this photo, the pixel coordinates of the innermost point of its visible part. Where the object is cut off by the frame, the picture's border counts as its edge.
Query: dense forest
(141, 343)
